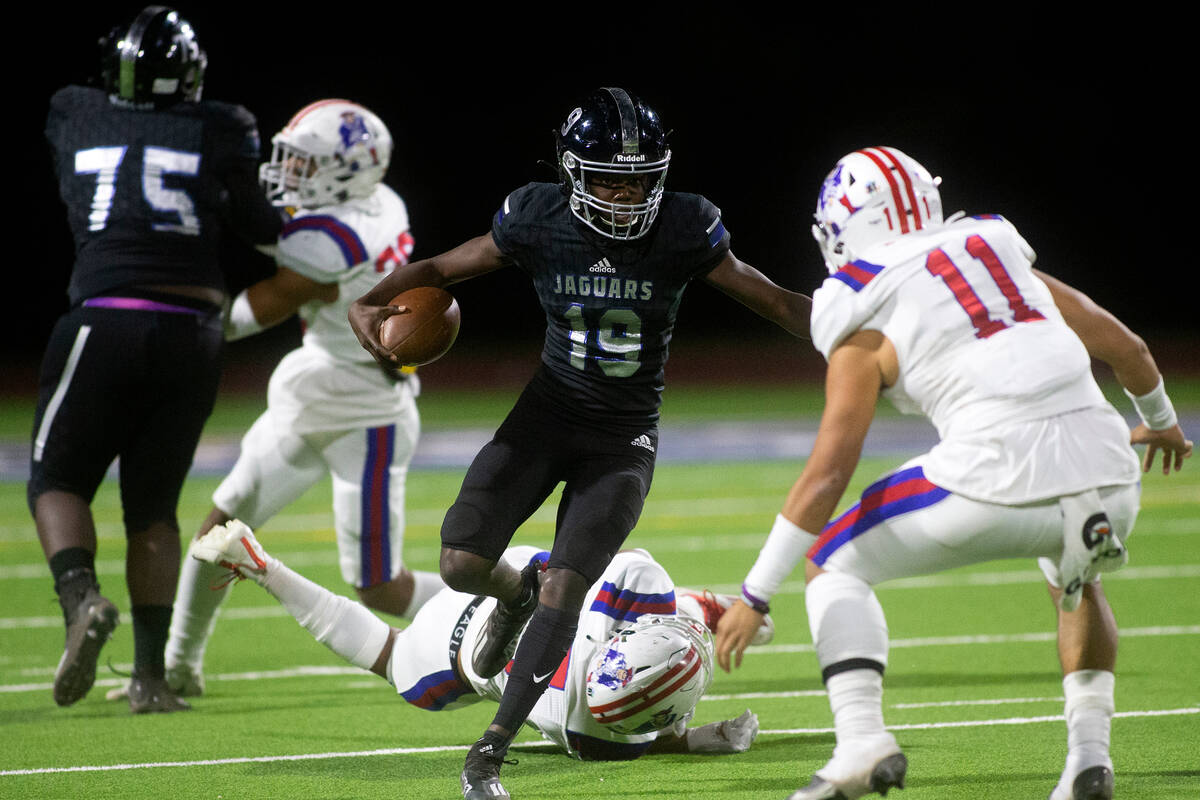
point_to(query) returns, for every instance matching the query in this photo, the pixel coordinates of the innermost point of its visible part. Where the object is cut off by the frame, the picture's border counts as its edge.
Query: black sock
(543, 646)
(68, 559)
(74, 571)
(151, 626)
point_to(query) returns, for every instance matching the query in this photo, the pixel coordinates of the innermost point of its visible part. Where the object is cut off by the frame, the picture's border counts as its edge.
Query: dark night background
(1070, 128)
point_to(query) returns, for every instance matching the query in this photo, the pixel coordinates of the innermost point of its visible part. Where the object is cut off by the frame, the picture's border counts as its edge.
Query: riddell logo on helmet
(625, 159)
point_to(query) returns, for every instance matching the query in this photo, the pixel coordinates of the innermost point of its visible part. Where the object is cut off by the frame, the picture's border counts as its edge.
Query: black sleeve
(248, 212)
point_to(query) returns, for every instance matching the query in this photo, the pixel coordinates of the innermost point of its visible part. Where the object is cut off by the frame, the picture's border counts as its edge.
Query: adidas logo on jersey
(602, 266)
(643, 441)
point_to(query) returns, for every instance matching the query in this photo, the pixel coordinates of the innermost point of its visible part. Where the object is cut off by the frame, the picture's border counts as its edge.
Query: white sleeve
(313, 254)
(835, 315)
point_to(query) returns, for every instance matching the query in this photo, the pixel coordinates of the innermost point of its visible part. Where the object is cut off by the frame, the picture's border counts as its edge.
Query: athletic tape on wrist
(241, 322)
(1155, 408)
(785, 547)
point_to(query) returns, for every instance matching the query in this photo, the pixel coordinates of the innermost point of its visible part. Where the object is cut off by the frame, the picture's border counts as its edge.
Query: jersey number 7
(172, 204)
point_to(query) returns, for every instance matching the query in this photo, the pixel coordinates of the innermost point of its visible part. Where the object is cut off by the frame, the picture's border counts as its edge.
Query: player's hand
(726, 736)
(735, 629)
(1175, 447)
(365, 321)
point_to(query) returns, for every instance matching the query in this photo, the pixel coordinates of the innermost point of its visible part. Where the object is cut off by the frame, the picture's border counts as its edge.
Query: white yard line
(985, 723)
(208, 762)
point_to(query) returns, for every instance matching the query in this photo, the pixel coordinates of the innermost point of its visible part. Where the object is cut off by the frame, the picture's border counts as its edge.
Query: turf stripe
(985, 723)
(209, 762)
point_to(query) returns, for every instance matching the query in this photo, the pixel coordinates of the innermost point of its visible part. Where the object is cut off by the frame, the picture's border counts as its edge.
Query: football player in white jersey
(331, 410)
(949, 319)
(629, 684)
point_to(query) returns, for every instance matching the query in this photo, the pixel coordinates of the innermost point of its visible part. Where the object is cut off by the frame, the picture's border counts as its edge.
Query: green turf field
(972, 691)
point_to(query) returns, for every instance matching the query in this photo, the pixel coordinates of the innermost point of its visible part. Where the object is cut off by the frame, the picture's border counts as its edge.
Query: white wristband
(785, 547)
(241, 322)
(1155, 408)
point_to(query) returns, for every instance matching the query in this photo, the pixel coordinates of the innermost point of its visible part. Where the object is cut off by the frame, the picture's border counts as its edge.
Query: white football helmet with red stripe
(650, 675)
(330, 151)
(871, 196)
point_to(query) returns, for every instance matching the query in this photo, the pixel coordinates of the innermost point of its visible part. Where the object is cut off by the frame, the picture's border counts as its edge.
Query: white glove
(727, 736)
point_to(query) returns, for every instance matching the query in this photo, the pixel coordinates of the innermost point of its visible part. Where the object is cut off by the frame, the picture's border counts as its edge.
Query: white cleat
(845, 777)
(185, 681)
(709, 608)
(232, 546)
(1093, 783)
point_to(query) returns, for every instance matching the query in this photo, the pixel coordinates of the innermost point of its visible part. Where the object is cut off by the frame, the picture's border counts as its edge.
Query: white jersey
(632, 585)
(355, 245)
(984, 354)
(330, 383)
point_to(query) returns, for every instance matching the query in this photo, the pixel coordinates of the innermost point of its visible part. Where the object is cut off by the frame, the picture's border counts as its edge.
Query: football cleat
(843, 778)
(1093, 783)
(153, 695)
(498, 639)
(480, 778)
(185, 681)
(232, 546)
(182, 680)
(709, 608)
(89, 626)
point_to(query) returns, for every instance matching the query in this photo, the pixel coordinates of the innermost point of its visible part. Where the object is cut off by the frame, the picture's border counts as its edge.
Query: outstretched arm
(789, 310)
(858, 370)
(471, 258)
(1111, 341)
(272, 300)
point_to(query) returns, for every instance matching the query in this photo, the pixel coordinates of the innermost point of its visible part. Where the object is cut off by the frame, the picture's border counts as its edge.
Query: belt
(141, 304)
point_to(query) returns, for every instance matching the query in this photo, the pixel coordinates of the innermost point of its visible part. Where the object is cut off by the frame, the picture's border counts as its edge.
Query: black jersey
(610, 306)
(148, 191)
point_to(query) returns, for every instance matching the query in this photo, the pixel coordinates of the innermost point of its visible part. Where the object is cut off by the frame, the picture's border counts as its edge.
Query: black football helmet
(154, 61)
(612, 132)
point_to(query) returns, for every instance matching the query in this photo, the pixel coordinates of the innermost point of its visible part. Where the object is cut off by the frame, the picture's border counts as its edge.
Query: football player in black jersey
(609, 252)
(150, 176)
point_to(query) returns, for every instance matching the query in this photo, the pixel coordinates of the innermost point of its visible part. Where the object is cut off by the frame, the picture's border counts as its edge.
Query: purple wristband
(761, 606)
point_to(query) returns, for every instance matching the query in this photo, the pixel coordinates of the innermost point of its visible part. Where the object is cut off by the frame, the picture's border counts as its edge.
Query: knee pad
(846, 621)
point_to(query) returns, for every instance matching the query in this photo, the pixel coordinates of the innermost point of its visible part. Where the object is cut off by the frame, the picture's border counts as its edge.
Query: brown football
(426, 330)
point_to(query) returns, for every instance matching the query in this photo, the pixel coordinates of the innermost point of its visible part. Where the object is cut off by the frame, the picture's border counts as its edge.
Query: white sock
(344, 626)
(1089, 710)
(425, 586)
(856, 699)
(197, 605)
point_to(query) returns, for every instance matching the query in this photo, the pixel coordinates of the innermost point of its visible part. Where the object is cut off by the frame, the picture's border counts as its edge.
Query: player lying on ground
(640, 661)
